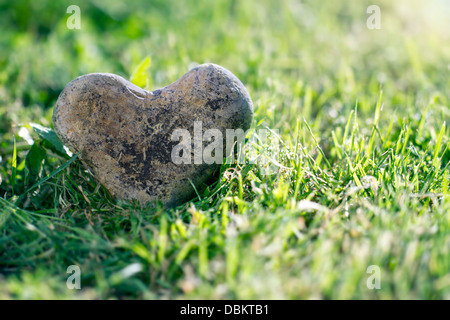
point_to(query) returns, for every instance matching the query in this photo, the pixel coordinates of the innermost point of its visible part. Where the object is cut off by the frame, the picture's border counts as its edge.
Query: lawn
(360, 195)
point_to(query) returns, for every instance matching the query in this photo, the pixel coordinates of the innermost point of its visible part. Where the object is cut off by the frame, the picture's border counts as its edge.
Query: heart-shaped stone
(125, 134)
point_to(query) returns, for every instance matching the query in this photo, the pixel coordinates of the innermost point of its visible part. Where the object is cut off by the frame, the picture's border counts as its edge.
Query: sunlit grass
(362, 180)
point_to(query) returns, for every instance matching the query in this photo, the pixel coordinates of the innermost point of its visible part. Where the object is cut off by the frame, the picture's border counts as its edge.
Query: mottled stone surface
(124, 132)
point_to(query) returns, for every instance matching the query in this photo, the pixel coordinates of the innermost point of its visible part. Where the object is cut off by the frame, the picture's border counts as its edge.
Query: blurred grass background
(276, 49)
(315, 60)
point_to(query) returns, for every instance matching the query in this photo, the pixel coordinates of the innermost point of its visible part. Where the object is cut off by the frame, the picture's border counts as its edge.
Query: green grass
(363, 178)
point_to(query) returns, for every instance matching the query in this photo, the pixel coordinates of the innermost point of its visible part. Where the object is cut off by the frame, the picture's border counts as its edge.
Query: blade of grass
(14, 167)
(52, 174)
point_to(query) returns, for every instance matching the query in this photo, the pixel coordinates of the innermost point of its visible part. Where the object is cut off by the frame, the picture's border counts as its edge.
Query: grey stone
(124, 133)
